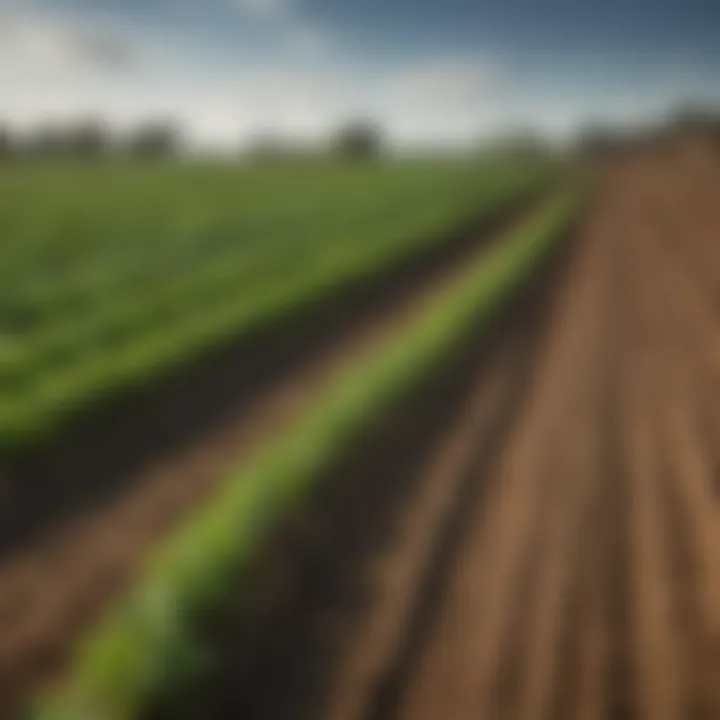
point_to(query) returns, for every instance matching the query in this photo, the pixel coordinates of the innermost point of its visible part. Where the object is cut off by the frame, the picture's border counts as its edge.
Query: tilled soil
(81, 516)
(539, 537)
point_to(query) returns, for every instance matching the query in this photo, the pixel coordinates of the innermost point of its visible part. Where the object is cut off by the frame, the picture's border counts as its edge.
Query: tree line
(89, 139)
(159, 139)
(690, 123)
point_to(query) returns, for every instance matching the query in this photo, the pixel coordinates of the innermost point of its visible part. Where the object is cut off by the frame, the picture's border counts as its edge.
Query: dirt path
(55, 584)
(555, 552)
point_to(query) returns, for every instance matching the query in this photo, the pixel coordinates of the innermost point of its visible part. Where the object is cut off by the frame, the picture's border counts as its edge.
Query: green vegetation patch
(150, 641)
(124, 276)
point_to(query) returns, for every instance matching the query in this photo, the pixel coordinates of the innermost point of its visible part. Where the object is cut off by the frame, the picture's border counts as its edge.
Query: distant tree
(696, 118)
(697, 127)
(88, 139)
(359, 139)
(47, 142)
(155, 140)
(267, 147)
(522, 142)
(602, 142)
(695, 135)
(6, 142)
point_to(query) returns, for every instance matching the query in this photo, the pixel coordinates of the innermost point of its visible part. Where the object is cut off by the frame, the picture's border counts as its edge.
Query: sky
(431, 72)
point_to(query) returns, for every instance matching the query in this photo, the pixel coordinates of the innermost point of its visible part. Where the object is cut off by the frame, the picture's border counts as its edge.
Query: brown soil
(78, 519)
(537, 536)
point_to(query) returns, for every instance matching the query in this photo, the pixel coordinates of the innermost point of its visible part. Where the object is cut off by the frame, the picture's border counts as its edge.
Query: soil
(537, 534)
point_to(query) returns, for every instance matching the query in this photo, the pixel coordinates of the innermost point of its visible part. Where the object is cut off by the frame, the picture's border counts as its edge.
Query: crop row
(98, 240)
(125, 244)
(125, 340)
(149, 640)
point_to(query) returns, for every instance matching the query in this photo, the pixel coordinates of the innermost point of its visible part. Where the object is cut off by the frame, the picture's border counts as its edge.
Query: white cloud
(444, 82)
(447, 100)
(35, 42)
(67, 68)
(226, 110)
(62, 67)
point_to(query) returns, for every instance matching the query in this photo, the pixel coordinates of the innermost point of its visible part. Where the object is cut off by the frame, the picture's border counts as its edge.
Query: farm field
(124, 274)
(544, 542)
(475, 480)
(195, 341)
(83, 504)
(359, 360)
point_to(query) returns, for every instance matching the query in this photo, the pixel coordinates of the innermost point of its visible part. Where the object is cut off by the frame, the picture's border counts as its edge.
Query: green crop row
(220, 256)
(83, 239)
(149, 640)
(49, 378)
(137, 256)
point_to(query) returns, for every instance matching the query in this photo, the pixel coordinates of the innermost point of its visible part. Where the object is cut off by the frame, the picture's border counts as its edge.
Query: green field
(114, 276)
(149, 644)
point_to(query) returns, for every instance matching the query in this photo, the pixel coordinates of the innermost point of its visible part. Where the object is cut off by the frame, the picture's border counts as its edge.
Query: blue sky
(432, 71)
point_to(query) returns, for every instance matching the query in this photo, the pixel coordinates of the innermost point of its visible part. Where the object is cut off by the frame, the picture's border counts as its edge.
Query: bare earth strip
(582, 577)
